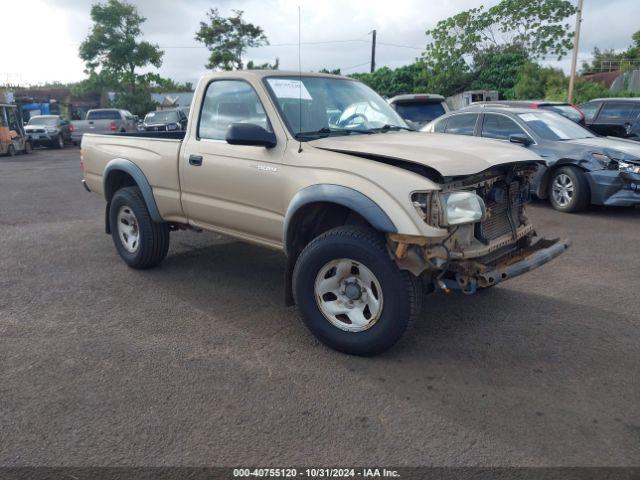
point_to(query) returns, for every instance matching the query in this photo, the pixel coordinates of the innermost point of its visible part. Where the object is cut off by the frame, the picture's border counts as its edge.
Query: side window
(439, 126)
(227, 102)
(12, 120)
(461, 124)
(500, 127)
(590, 110)
(615, 112)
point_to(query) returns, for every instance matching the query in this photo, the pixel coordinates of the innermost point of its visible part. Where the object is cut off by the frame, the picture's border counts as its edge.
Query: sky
(43, 46)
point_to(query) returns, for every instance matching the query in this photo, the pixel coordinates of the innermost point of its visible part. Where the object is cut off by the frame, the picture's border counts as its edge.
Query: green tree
(534, 28)
(604, 60)
(228, 38)
(114, 46)
(251, 65)
(497, 68)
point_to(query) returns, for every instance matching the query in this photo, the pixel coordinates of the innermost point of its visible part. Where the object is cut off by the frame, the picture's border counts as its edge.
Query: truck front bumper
(469, 276)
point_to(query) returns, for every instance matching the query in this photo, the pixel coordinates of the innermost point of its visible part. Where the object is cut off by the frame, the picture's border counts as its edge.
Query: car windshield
(420, 112)
(161, 117)
(565, 110)
(551, 126)
(315, 107)
(43, 121)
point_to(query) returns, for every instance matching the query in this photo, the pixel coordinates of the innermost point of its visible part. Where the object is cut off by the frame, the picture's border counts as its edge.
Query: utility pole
(576, 45)
(373, 51)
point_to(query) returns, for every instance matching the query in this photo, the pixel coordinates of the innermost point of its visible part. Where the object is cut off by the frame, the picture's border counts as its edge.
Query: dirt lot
(199, 363)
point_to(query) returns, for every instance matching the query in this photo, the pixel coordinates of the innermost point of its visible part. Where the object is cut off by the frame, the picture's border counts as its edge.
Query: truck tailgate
(156, 157)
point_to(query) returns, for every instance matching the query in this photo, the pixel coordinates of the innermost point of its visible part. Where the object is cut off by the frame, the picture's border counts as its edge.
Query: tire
(11, 151)
(569, 190)
(129, 219)
(27, 148)
(399, 297)
(58, 143)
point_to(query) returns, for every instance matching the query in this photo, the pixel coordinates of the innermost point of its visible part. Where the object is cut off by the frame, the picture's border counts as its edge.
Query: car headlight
(172, 126)
(602, 159)
(461, 207)
(52, 130)
(628, 167)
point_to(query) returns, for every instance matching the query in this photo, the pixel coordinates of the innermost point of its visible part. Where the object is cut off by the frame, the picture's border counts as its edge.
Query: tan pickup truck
(369, 214)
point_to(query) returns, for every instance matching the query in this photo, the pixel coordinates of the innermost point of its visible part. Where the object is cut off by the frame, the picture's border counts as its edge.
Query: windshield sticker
(529, 117)
(287, 88)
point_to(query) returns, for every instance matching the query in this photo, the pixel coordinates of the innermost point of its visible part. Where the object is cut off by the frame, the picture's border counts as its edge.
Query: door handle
(195, 160)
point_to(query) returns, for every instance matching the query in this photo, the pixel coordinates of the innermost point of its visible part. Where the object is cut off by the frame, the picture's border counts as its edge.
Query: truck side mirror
(250, 134)
(521, 139)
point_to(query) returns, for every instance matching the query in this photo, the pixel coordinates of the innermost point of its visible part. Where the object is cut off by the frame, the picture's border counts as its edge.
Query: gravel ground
(199, 363)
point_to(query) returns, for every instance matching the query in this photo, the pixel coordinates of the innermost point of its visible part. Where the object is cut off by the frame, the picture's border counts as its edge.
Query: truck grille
(36, 130)
(504, 208)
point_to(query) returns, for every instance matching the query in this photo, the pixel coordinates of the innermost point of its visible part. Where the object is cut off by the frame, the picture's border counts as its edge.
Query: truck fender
(340, 195)
(127, 166)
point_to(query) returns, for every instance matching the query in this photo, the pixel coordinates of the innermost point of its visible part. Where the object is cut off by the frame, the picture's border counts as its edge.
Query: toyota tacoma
(369, 214)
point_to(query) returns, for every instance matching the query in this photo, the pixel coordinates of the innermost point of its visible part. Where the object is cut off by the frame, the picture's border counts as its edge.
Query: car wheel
(351, 294)
(58, 142)
(569, 190)
(11, 151)
(141, 242)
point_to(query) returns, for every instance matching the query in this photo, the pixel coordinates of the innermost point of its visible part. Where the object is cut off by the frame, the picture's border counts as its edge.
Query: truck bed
(167, 135)
(155, 153)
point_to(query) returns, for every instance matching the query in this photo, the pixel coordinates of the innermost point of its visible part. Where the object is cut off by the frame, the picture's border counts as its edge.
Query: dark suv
(613, 117)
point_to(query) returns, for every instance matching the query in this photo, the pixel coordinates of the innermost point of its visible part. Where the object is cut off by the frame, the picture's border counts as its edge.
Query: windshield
(420, 112)
(43, 121)
(552, 126)
(323, 106)
(566, 110)
(161, 117)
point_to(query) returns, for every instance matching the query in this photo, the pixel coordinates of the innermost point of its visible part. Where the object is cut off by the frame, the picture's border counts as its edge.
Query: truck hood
(450, 155)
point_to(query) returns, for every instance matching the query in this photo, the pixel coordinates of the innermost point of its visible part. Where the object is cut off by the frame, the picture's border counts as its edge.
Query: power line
(355, 66)
(400, 46)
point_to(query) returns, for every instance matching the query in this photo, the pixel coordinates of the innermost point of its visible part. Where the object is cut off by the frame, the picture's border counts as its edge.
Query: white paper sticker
(289, 88)
(529, 117)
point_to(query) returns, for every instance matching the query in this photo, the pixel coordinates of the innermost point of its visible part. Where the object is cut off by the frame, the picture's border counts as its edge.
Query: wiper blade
(328, 132)
(388, 127)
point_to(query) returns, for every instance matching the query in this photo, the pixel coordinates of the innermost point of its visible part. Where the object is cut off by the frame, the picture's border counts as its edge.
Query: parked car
(50, 130)
(103, 120)
(419, 109)
(165, 121)
(568, 110)
(13, 138)
(614, 117)
(366, 212)
(580, 168)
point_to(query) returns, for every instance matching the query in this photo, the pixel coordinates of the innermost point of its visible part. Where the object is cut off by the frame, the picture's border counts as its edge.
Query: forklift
(13, 139)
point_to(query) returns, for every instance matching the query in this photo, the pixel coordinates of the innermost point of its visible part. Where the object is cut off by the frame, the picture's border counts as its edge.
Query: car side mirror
(521, 140)
(250, 134)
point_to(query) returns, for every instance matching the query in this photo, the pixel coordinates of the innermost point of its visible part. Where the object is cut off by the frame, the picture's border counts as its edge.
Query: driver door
(234, 189)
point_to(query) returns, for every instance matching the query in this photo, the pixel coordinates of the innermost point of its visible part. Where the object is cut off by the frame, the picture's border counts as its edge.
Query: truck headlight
(628, 167)
(462, 207)
(173, 126)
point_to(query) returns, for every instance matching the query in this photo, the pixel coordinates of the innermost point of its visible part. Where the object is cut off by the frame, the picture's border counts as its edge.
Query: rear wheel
(569, 190)
(141, 242)
(351, 295)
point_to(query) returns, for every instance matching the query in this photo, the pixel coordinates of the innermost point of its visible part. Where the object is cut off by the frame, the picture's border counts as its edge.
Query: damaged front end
(490, 237)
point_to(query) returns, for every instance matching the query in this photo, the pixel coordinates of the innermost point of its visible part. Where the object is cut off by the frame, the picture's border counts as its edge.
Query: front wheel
(569, 190)
(58, 142)
(141, 242)
(351, 295)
